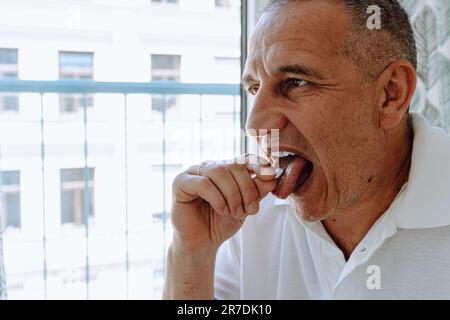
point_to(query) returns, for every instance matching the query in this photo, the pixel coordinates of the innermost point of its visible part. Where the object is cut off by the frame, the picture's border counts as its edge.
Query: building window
(9, 69)
(72, 195)
(227, 69)
(227, 61)
(10, 199)
(171, 170)
(165, 1)
(227, 3)
(165, 68)
(75, 65)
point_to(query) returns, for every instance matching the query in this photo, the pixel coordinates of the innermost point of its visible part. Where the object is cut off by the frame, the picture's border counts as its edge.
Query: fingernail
(253, 207)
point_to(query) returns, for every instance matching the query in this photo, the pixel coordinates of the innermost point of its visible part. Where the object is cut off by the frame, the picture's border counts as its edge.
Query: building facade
(119, 163)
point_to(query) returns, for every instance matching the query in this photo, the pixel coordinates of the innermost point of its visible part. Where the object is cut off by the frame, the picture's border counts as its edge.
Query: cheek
(339, 133)
(350, 156)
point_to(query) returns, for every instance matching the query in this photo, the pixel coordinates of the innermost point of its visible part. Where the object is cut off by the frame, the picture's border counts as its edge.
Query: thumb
(264, 187)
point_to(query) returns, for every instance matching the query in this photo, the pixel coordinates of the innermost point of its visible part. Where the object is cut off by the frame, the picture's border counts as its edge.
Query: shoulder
(425, 202)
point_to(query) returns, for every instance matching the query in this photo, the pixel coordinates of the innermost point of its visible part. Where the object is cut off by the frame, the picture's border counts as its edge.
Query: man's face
(304, 87)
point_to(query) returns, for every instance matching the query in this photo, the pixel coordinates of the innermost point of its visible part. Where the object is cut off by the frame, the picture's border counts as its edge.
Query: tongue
(293, 169)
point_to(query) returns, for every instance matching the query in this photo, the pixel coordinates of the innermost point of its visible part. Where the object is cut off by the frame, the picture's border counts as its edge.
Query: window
(165, 1)
(75, 65)
(9, 70)
(227, 69)
(72, 195)
(227, 61)
(10, 199)
(227, 3)
(107, 227)
(165, 68)
(171, 170)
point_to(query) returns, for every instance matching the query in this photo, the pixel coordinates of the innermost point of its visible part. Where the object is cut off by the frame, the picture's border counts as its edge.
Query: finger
(247, 188)
(223, 179)
(195, 170)
(264, 187)
(190, 187)
(256, 165)
(260, 168)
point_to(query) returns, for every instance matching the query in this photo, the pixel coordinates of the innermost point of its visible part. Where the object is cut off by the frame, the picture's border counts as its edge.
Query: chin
(309, 211)
(309, 217)
(313, 200)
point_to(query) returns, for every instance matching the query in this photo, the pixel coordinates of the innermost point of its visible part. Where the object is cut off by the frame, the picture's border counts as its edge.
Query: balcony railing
(124, 135)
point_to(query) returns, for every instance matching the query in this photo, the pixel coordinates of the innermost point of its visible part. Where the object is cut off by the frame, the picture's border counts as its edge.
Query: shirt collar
(424, 201)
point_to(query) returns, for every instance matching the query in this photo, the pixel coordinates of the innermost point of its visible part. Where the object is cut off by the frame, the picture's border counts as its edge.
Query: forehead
(313, 29)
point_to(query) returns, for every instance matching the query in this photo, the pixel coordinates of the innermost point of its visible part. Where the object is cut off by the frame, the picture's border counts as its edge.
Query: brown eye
(298, 83)
(253, 90)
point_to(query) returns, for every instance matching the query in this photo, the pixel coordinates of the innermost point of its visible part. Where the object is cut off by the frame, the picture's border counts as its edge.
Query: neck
(348, 227)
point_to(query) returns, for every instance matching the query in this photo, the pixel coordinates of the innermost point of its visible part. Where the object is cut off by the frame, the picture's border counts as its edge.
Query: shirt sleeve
(228, 270)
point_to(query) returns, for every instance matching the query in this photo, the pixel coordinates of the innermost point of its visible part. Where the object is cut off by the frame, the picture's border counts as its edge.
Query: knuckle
(238, 169)
(235, 194)
(204, 183)
(177, 180)
(234, 166)
(250, 193)
(221, 205)
(234, 200)
(219, 169)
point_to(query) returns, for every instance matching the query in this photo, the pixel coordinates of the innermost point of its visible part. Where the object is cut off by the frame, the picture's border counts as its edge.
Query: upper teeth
(282, 154)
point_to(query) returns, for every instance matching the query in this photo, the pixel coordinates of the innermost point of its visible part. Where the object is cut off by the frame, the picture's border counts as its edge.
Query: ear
(397, 83)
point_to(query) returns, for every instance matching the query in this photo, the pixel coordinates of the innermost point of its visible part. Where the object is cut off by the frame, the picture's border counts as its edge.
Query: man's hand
(210, 204)
(211, 201)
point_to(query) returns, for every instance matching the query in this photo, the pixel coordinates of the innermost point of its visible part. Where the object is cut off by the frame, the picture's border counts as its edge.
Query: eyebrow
(292, 69)
(300, 70)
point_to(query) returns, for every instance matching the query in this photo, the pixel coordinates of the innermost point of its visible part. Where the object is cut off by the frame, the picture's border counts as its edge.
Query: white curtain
(431, 23)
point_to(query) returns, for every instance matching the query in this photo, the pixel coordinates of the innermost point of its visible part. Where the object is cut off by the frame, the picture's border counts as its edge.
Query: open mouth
(296, 171)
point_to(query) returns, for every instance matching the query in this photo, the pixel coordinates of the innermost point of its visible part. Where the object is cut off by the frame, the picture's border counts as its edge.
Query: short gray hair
(373, 50)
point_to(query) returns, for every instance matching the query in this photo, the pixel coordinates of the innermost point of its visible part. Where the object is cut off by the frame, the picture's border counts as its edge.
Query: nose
(265, 115)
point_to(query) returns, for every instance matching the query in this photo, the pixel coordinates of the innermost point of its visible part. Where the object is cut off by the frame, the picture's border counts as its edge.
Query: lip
(299, 191)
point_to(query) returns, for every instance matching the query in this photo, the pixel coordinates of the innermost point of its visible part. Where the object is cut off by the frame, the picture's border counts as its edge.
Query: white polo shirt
(405, 255)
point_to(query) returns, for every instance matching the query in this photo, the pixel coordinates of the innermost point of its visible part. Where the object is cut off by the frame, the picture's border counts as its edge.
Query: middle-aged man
(368, 182)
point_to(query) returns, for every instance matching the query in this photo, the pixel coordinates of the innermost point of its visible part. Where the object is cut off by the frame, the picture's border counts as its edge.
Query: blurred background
(86, 167)
(103, 102)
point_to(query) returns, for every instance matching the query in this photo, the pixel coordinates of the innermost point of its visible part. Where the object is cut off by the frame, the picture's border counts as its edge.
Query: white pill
(278, 172)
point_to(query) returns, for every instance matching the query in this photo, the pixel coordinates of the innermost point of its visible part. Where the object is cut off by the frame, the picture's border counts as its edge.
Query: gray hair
(373, 50)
